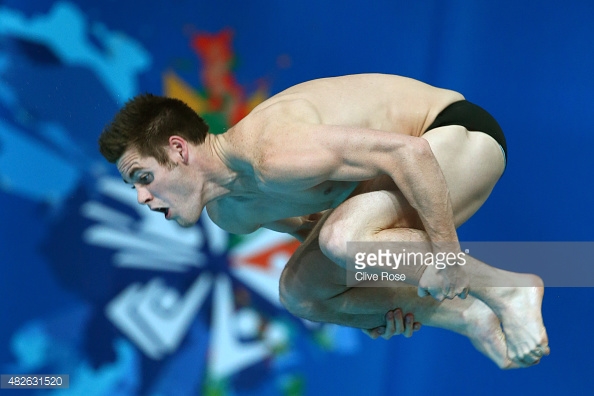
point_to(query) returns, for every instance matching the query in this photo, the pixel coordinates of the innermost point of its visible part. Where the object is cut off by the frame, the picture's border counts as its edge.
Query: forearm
(420, 179)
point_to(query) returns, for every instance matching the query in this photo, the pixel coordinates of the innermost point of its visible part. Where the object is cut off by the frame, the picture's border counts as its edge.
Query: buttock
(473, 118)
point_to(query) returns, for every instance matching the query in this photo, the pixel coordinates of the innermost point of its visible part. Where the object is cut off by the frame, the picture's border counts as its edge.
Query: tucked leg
(314, 288)
(471, 163)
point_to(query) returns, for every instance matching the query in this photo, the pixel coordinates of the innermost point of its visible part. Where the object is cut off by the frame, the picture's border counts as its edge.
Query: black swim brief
(473, 118)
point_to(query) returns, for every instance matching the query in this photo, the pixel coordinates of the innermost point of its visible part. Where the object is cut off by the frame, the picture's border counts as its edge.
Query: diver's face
(164, 189)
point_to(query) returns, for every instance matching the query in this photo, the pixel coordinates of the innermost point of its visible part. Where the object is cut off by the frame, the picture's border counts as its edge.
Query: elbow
(417, 150)
(422, 149)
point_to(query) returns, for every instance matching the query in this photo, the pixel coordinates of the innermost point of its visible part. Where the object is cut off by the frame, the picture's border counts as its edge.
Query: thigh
(471, 163)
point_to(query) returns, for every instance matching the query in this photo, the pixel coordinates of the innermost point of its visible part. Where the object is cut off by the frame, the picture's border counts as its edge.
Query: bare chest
(242, 214)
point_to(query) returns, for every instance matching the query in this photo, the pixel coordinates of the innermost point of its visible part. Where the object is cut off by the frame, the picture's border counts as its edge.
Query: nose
(144, 196)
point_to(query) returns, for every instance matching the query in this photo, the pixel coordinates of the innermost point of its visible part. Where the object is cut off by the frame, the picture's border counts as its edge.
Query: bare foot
(484, 331)
(520, 314)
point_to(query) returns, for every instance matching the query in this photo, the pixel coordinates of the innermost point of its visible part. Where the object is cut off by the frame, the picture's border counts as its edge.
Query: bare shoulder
(284, 108)
(271, 125)
(278, 111)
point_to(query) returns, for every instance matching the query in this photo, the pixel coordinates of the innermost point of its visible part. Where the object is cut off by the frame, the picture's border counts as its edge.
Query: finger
(417, 326)
(464, 293)
(394, 324)
(450, 293)
(398, 322)
(379, 331)
(374, 333)
(458, 291)
(370, 333)
(390, 326)
(437, 294)
(408, 325)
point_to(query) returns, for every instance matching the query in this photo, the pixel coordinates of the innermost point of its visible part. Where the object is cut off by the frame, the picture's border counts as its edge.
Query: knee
(333, 242)
(297, 298)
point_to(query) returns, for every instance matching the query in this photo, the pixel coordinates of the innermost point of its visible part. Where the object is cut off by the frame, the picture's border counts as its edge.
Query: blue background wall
(93, 287)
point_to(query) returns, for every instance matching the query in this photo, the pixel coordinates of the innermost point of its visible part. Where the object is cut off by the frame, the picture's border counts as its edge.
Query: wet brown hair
(145, 123)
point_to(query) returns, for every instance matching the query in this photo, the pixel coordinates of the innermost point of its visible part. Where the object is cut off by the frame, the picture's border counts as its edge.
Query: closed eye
(144, 179)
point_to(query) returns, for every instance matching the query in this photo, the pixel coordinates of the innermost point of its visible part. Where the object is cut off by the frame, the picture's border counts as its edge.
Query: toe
(530, 359)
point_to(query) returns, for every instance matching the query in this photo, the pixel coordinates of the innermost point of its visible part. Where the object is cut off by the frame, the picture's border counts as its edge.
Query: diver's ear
(178, 148)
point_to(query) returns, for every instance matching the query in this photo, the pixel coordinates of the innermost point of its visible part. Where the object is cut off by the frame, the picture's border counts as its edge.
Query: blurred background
(94, 286)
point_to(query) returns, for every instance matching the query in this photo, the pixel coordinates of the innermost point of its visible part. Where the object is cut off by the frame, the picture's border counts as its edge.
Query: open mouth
(165, 211)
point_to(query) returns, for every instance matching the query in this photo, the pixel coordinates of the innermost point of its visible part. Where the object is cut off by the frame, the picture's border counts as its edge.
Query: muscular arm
(304, 155)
